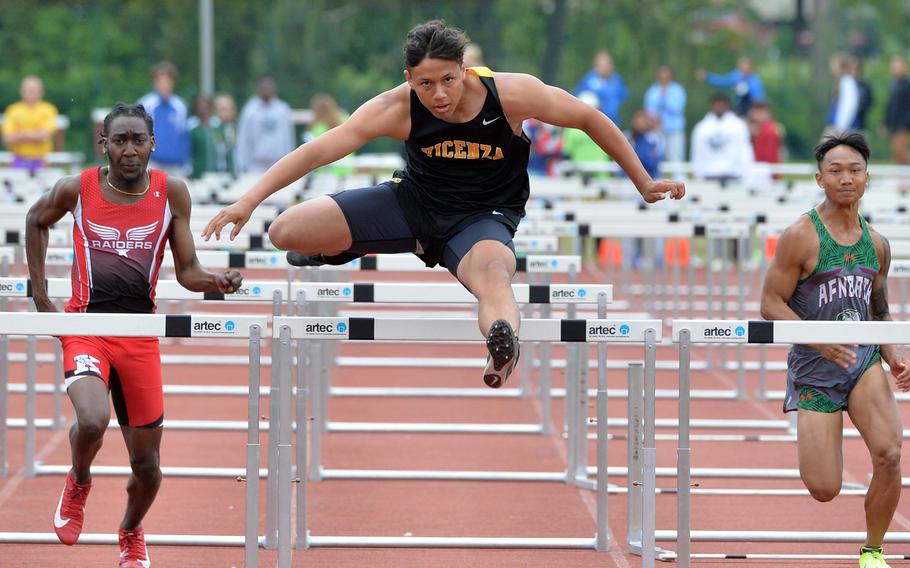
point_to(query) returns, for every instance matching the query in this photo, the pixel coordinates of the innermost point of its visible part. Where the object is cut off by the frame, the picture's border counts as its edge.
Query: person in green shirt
(202, 143)
(578, 146)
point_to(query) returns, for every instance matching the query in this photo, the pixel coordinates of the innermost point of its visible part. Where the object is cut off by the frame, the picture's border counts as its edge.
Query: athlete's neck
(839, 216)
(138, 185)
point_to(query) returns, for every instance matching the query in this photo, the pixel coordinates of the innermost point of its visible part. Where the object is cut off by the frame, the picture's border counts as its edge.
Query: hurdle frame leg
(684, 456)
(285, 456)
(302, 433)
(31, 402)
(271, 509)
(649, 455)
(253, 450)
(634, 404)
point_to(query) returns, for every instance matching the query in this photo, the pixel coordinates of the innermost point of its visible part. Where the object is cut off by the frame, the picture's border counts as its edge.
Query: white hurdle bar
(32, 324)
(462, 329)
(688, 332)
(420, 293)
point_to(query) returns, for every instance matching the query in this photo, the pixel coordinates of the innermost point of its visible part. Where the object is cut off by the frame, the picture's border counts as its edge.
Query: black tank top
(457, 172)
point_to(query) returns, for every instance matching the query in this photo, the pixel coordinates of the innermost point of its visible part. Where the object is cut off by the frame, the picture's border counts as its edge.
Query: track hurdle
(251, 328)
(462, 329)
(688, 332)
(396, 293)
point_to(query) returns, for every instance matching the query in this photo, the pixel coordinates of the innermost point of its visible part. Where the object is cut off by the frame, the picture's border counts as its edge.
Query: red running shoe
(133, 552)
(71, 510)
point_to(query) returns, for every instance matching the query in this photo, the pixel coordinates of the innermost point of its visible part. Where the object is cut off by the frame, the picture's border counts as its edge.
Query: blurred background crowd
(717, 83)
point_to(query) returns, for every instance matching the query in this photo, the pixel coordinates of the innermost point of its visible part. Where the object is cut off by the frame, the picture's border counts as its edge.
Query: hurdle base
(660, 554)
(154, 539)
(431, 475)
(449, 542)
(172, 471)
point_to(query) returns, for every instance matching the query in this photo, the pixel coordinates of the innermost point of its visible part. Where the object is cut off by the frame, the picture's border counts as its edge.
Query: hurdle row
(254, 328)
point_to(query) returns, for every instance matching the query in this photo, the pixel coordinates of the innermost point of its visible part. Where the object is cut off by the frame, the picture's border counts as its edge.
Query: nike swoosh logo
(486, 122)
(59, 521)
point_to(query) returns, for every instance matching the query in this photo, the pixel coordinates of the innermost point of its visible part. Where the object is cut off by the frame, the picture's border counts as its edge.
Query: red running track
(427, 508)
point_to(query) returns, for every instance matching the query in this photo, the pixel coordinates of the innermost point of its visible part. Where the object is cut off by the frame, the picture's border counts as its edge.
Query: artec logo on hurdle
(725, 331)
(621, 330)
(327, 327)
(10, 288)
(336, 292)
(213, 326)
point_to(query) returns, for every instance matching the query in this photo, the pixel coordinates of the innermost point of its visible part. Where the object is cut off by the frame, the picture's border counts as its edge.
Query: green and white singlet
(839, 289)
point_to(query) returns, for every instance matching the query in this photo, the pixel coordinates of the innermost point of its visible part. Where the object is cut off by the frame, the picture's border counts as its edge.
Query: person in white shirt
(844, 109)
(721, 147)
(265, 132)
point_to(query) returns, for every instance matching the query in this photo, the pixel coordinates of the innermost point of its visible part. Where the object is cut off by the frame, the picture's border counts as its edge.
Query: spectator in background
(645, 140)
(170, 115)
(29, 126)
(897, 113)
(224, 132)
(326, 116)
(266, 130)
(608, 85)
(546, 147)
(866, 95)
(578, 146)
(766, 134)
(844, 107)
(666, 101)
(721, 149)
(747, 86)
(202, 140)
(473, 56)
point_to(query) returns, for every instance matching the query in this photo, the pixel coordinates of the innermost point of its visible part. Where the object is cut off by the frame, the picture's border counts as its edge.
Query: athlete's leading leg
(145, 479)
(487, 270)
(93, 413)
(874, 412)
(820, 449)
(88, 394)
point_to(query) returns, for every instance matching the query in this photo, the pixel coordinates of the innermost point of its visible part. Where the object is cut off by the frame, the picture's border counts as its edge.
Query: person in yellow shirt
(29, 126)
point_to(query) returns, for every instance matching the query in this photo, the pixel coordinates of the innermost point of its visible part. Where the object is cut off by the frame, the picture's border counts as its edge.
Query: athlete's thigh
(376, 221)
(874, 412)
(86, 368)
(136, 385)
(316, 225)
(820, 447)
(468, 253)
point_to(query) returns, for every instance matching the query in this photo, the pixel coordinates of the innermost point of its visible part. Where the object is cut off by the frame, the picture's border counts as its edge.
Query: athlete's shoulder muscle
(797, 245)
(388, 114)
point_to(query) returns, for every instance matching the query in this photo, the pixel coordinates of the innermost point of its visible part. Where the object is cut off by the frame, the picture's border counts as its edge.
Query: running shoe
(71, 510)
(504, 352)
(872, 559)
(297, 259)
(133, 552)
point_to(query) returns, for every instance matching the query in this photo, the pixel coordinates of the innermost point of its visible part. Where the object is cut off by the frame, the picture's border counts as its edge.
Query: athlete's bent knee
(280, 233)
(824, 494)
(888, 459)
(92, 427)
(147, 469)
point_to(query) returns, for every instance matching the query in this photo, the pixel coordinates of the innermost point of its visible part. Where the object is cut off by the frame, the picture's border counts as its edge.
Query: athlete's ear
(152, 140)
(407, 75)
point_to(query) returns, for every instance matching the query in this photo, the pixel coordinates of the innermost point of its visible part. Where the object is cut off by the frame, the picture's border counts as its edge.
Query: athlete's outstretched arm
(50, 208)
(878, 305)
(190, 273)
(384, 115)
(525, 96)
(780, 283)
